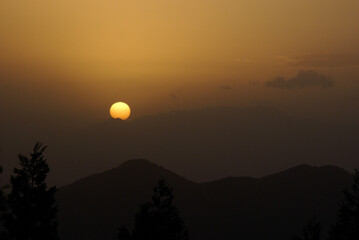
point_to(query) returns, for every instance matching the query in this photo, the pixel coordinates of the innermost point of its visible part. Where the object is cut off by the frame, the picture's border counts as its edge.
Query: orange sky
(75, 58)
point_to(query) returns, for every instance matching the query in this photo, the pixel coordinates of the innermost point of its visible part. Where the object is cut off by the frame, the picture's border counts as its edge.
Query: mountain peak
(94, 207)
(134, 172)
(138, 163)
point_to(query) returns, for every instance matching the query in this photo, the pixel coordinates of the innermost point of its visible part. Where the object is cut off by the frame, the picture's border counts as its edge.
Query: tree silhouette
(347, 226)
(158, 219)
(2, 197)
(310, 232)
(2, 211)
(123, 233)
(31, 204)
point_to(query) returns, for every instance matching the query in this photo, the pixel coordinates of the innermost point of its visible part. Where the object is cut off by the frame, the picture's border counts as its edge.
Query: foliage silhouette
(2, 211)
(123, 233)
(347, 225)
(2, 196)
(311, 231)
(32, 205)
(158, 219)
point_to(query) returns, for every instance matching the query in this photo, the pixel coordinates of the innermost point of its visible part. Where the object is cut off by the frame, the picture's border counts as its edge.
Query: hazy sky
(64, 63)
(70, 60)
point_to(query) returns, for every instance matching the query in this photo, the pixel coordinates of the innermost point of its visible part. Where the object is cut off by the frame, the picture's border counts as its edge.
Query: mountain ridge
(209, 144)
(143, 161)
(232, 207)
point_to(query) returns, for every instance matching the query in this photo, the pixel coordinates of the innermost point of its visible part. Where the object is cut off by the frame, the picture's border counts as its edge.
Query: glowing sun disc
(120, 110)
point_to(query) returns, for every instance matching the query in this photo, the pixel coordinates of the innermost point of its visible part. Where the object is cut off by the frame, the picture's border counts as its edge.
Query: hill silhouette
(206, 144)
(201, 145)
(272, 207)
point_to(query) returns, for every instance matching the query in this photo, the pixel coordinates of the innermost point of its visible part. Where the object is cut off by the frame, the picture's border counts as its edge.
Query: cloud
(322, 60)
(304, 79)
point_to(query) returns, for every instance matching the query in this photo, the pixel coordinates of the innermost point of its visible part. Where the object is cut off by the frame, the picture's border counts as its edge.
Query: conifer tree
(311, 231)
(123, 233)
(2, 210)
(158, 219)
(347, 226)
(2, 198)
(31, 203)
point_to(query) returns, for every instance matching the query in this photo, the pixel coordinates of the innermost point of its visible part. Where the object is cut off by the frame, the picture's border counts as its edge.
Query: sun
(120, 110)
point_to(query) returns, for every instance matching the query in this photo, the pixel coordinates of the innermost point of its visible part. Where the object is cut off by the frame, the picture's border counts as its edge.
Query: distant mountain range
(207, 144)
(272, 207)
(201, 145)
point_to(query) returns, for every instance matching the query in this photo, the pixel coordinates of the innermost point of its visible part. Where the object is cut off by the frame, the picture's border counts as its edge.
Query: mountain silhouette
(205, 144)
(272, 207)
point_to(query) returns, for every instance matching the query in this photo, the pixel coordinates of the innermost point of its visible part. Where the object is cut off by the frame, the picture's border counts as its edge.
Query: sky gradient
(64, 63)
(75, 58)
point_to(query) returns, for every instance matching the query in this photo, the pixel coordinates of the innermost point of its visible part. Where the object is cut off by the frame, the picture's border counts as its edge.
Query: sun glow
(120, 110)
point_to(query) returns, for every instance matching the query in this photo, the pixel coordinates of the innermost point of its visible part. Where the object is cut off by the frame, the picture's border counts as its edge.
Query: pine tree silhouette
(2, 197)
(32, 205)
(123, 233)
(311, 231)
(2, 211)
(347, 226)
(158, 219)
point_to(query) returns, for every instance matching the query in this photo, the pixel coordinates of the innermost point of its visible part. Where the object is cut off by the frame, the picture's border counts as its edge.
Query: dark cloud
(322, 60)
(225, 87)
(304, 79)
